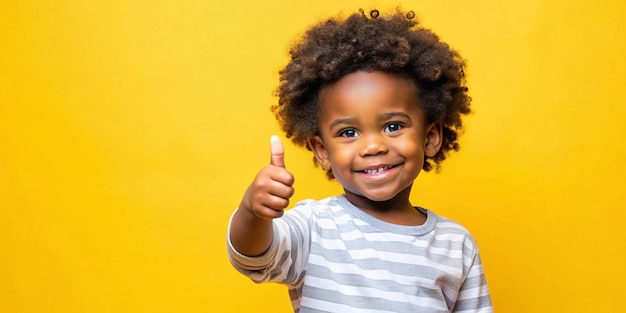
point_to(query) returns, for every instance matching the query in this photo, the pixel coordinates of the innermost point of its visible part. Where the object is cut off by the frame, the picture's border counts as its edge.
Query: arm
(474, 296)
(265, 199)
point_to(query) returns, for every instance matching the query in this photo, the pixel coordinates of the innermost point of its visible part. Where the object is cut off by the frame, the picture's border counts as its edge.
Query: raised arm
(265, 199)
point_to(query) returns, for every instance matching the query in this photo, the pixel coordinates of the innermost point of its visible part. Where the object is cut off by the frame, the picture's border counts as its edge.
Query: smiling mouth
(374, 171)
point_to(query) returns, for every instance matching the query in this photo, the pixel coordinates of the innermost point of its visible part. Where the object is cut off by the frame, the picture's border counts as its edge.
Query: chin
(381, 198)
(378, 197)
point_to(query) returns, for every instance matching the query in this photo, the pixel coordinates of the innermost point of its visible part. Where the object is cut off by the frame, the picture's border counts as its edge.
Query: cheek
(341, 158)
(417, 148)
(412, 151)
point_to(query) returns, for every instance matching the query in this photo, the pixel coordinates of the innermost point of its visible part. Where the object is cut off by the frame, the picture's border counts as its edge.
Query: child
(376, 99)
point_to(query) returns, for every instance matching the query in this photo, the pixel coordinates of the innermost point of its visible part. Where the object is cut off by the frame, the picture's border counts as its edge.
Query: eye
(348, 132)
(392, 127)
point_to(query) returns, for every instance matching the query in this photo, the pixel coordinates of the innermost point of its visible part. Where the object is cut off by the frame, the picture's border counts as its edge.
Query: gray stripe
(365, 302)
(374, 263)
(430, 289)
(426, 273)
(276, 272)
(445, 267)
(296, 232)
(417, 246)
(481, 302)
(426, 238)
(474, 282)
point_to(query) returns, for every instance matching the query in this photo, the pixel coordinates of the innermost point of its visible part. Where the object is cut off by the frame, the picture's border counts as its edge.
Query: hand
(269, 193)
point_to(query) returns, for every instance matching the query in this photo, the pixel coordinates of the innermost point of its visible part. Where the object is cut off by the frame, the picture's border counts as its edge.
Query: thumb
(278, 152)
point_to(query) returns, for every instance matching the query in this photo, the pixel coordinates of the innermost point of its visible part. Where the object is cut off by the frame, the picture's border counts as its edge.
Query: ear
(316, 144)
(433, 140)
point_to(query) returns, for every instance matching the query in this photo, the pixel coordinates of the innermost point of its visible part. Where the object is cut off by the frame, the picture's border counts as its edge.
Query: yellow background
(130, 129)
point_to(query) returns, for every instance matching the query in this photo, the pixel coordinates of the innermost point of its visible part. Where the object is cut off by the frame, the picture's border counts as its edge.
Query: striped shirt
(335, 258)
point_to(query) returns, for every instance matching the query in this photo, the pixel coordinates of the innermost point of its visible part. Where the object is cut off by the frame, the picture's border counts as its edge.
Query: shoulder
(447, 229)
(326, 202)
(316, 207)
(328, 210)
(309, 214)
(450, 225)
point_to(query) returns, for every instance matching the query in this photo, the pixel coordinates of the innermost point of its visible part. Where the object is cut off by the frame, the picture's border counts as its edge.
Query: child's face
(373, 134)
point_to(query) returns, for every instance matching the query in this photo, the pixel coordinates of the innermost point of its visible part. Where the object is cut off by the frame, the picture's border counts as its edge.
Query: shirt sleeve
(285, 260)
(474, 296)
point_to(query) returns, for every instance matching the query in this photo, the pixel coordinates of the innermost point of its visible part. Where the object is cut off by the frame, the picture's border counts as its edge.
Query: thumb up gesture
(269, 193)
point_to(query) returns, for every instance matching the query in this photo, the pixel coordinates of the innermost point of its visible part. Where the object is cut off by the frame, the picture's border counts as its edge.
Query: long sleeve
(285, 260)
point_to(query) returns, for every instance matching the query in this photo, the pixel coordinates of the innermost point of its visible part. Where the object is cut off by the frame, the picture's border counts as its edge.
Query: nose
(373, 144)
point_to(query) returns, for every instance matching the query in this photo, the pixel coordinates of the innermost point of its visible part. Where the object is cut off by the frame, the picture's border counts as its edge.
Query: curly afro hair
(394, 43)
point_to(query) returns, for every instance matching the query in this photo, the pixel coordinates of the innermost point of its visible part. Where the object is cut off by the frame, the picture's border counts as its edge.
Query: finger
(282, 190)
(277, 203)
(278, 152)
(268, 213)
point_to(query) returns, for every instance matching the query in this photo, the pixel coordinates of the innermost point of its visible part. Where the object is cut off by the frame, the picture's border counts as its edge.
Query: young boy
(376, 99)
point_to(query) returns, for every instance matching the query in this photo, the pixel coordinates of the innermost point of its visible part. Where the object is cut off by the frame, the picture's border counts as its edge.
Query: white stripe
(473, 293)
(467, 260)
(449, 224)
(338, 244)
(342, 219)
(452, 254)
(488, 309)
(373, 293)
(476, 270)
(385, 275)
(383, 237)
(409, 239)
(410, 259)
(335, 307)
(345, 268)
(352, 235)
(450, 237)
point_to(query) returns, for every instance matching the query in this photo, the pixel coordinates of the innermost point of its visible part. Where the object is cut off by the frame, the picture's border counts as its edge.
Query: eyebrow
(385, 116)
(396, 114)
(342, 121)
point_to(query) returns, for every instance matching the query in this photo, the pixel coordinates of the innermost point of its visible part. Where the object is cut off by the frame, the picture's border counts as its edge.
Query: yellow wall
(130, 129)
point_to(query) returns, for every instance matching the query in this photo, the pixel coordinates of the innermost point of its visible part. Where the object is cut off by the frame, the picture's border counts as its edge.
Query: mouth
(377, 170)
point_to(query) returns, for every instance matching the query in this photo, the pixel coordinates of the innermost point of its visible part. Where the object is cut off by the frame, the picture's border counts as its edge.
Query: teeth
(376, 171)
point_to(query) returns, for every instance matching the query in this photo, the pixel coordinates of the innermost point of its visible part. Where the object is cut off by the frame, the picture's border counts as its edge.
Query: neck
(397, 210)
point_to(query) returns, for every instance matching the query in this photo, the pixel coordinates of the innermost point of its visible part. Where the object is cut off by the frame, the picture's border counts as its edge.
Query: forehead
(360, 90)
